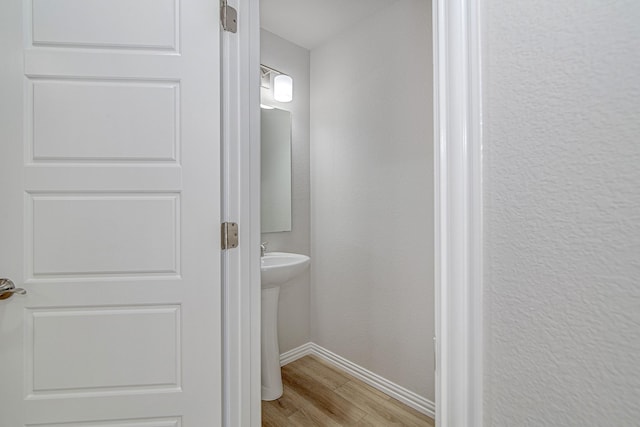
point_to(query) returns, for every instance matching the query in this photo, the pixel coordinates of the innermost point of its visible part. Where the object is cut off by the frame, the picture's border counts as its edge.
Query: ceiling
(309, 23)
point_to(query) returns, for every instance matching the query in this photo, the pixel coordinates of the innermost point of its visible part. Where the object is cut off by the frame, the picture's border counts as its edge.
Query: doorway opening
(360, 164)
(457, 212)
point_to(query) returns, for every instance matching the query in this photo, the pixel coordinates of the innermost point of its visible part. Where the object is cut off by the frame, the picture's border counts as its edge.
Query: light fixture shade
(283, 88)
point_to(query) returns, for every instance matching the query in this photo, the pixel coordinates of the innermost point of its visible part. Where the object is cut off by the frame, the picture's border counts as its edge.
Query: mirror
(275, 200)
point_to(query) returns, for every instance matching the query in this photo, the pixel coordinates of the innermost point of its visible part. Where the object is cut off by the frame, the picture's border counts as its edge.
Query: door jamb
(240, 79)
(458, 212)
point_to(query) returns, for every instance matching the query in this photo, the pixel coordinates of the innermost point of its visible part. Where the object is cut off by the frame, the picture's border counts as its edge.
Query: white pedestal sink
(276, 268)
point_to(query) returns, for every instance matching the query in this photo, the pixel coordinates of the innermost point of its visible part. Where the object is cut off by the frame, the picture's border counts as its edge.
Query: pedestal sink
(276, 269)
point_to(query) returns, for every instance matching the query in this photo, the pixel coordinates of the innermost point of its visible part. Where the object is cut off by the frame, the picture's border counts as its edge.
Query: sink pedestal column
(271, 376)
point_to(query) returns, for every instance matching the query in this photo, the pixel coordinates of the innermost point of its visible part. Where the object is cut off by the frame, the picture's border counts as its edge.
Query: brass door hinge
(229, 235)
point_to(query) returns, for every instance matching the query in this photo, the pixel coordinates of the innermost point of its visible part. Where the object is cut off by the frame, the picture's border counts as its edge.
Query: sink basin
(279, 267)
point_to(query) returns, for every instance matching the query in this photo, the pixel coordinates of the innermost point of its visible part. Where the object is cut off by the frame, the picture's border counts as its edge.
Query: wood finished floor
(317, 394)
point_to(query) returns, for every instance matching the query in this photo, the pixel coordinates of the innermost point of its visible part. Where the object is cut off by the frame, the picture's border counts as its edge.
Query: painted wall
(293, 315)
(372, 198)
(562, 213)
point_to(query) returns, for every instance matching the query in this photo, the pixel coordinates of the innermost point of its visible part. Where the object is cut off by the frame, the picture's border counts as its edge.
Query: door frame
(458, 76)
(457, 48)
(240, 98)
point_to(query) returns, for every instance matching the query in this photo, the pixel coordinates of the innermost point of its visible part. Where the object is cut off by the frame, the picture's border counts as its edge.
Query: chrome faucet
(263, 248)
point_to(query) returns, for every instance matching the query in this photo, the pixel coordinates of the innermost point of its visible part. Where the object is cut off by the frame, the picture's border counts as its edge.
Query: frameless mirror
(276, 170)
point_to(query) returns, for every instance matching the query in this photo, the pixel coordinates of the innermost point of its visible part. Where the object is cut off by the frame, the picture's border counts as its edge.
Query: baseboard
(394, 390)
(295, 354)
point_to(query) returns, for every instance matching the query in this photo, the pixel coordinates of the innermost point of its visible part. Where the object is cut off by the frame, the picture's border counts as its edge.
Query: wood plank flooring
(317, 394)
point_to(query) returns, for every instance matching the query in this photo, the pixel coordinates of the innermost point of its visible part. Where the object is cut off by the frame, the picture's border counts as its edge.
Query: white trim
(392, 389)
(241, 203)
(296, 353)
(458, 213)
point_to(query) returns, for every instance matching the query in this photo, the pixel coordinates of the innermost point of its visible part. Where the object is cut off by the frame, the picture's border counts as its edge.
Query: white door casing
(458, 213)
(110, 213)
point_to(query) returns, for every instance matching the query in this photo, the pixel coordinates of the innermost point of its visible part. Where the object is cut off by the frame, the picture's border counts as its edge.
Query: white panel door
(110, 213)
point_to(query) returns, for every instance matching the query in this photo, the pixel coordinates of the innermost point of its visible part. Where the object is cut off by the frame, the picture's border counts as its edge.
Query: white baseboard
(296, 353)
(394, 390)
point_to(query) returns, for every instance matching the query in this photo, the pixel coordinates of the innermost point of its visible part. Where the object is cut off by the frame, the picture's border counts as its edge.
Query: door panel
(110, 213)
(58, 362)
(100, 121)
(148, 24)
(129, 234)
(166, 422)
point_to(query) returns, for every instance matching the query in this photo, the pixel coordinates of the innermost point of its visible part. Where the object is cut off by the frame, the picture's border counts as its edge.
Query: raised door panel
(96, 120)
(158, 422)
(128, 24)
(103, 234)
(102, 350)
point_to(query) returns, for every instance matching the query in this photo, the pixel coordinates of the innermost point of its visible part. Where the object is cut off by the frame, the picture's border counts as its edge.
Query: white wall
(562, 213)
(372, 198)
(293, 314)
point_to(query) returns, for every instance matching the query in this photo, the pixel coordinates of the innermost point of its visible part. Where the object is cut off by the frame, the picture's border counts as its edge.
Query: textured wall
(293, 314)
(372, 198)
(562, 213)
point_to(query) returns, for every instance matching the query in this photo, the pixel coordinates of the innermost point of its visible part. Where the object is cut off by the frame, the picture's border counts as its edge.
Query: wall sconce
(281, 83)
(283, 88)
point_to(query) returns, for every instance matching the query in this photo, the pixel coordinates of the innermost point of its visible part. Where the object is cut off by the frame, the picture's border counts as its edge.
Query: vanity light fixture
(283, 88)
(266, 107)
(281, 83)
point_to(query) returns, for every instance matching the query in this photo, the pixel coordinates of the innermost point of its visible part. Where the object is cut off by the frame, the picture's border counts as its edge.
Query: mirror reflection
(276, 170)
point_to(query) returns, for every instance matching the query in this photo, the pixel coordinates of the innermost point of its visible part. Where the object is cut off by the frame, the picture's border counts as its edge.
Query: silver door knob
(8, 288)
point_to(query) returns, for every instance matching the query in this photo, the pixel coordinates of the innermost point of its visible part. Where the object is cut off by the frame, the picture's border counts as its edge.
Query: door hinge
(228, 17)
(229, 235)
